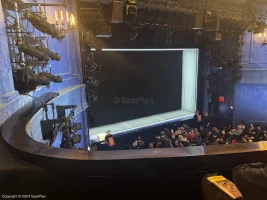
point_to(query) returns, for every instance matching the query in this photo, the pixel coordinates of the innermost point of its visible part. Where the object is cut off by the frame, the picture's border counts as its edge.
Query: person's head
(197, 134)
(206, 114)
(166, 130)
(234, 142)
(151, 146)
(139, 138)
(135, 144)
(176, 142)
(109, 132)
(239, 127)
(173, 137)
(181, 137)
(192, 131)
(162, 133)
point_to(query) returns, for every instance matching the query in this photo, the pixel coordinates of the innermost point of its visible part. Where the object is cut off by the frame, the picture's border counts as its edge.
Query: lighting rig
(44, 26)
(67, 125)
(27, 80)
(28, 52)
(90, 67)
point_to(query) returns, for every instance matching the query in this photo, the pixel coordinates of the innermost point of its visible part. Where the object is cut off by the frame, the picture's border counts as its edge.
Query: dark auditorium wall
(251, 91)
(248, 96)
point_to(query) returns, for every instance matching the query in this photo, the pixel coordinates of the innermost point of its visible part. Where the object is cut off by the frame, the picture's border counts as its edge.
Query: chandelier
(262, 37)
(65, 21)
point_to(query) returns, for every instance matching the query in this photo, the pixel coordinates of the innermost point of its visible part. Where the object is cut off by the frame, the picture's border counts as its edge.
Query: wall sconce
(70, 20)
(262, 37)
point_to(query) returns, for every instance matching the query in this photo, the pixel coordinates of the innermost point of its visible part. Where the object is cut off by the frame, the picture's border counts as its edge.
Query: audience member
(198, 119)
(109, 140)
(165, 141)
(206, 134)
(167, 132)
(206, 121)
(140, 143)
(238, 131)
(173, 139)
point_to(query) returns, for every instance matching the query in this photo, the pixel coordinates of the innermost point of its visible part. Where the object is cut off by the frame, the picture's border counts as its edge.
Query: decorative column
(9, 98)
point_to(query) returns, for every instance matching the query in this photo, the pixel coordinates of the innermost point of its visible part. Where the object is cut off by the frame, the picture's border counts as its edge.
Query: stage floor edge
(141, 123)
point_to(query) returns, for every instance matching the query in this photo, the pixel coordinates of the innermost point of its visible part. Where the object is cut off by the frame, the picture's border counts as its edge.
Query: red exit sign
(221, 98)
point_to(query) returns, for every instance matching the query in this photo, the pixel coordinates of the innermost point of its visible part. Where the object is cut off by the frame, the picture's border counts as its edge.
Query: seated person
(184, 141)
(177, 143)
(198, 140)
(238, 131)
(206, 120)
(165, 141)
(140, 143)
(191, 135)
(173, 139)
(157, 143)
(242, 125)
(151, 145)
(167, 132)
(251, 180)
(177, 132)
(109, 140)
(134, 145)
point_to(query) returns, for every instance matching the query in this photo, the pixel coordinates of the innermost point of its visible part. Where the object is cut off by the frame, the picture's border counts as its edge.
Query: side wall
(251, 91)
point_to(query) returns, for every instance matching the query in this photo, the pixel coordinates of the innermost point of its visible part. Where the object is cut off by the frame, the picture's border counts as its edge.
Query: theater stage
(188, 99)
(141, 123)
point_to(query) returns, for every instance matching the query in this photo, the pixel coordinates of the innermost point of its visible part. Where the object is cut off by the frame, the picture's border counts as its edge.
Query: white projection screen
(189, 99)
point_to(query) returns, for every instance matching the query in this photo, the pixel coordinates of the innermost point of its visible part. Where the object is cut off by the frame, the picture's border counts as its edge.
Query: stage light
(131, 11)
(26, 80)
(75, 127)
(32, 51)
(53, 78)
(42, 25)
(76, 138)
(131, 7)
(52, 55)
